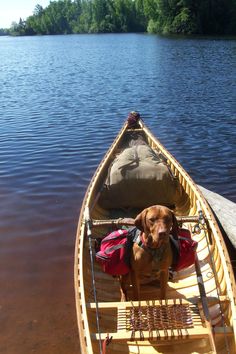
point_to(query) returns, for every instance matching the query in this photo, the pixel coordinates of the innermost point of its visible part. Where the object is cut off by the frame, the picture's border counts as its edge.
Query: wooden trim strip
(167, 334)
(127, 304)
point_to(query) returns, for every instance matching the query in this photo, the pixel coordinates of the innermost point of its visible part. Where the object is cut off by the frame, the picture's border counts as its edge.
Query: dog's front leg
(164, 275)
(135, 285)
(123, 287)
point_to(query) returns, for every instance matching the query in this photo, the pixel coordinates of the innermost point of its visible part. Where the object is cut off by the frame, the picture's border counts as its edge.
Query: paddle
(88, 224)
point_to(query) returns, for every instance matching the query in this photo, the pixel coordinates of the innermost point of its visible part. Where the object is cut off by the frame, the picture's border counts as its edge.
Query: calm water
(62, 101)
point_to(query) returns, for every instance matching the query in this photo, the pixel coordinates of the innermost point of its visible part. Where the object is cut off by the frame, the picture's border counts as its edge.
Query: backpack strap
(135, 235)
(114, 248)
(156, 254)
(174, 243)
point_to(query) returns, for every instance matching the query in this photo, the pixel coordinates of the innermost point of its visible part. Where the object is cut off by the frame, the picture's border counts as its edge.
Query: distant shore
(102, 16)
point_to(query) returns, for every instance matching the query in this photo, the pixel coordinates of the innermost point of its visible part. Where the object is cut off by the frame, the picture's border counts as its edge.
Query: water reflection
(63, 100)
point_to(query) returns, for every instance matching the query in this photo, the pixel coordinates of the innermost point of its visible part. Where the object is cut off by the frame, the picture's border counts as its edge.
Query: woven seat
(157, 320)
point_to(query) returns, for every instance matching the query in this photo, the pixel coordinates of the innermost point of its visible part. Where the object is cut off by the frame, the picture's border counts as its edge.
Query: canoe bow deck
(199, 314)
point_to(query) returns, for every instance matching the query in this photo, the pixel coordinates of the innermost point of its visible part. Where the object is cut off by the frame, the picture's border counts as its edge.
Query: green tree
(159, 16)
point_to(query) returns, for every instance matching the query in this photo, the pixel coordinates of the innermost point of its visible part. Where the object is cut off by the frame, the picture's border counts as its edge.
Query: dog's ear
(175, 226)
(139, 221)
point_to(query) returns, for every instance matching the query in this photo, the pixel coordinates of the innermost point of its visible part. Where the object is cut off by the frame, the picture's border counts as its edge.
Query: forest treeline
(155, 16)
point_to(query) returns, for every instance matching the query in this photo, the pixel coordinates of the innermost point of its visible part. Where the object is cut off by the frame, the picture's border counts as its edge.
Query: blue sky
(12, 10)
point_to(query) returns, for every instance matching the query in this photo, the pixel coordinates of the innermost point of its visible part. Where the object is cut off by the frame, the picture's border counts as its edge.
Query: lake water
(62, 101)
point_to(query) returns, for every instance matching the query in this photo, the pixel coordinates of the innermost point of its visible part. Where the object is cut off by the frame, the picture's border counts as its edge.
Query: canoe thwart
(110, 222)
(130, 221)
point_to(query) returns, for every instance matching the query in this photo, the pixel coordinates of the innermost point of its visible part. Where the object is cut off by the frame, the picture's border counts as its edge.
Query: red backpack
(113, 254)
(184, 250)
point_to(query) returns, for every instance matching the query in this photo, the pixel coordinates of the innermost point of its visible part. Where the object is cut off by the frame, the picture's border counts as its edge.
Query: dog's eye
(168, 219)
(152, 220)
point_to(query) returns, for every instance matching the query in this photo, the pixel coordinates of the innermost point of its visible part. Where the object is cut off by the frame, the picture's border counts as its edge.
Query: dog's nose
(149, 240)
(162, 234)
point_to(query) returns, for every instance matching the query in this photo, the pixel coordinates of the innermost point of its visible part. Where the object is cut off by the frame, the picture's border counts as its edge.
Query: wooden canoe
(199, 314)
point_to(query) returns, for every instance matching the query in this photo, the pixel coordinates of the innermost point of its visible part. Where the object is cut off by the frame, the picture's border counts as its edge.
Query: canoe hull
(204, 297)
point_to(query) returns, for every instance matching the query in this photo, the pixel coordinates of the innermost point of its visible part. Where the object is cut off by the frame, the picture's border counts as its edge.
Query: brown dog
(155, 224)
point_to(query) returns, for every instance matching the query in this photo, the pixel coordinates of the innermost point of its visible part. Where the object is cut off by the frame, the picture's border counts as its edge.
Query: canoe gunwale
(209, 216)
(213, 225)
(83, 326)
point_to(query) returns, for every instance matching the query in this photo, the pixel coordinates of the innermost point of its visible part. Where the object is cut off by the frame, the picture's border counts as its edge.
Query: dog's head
(156, 222)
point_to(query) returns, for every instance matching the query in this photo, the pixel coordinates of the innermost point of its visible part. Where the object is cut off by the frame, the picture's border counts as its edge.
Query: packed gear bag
(115, 248)
(113, 255)
(184, 250)
(138, 176)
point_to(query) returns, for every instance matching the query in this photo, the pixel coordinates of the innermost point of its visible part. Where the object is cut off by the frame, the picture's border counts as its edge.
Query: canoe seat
(176, 319)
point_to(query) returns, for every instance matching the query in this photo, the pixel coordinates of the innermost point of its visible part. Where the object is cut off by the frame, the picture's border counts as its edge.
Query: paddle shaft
(89, 234)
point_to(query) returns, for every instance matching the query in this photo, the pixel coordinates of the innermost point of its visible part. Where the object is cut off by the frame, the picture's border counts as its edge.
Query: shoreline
(225, 211)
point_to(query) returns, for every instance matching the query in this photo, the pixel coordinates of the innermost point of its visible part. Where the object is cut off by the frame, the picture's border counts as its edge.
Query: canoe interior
(183, 290)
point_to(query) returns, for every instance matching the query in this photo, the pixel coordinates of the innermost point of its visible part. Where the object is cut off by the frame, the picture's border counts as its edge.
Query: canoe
(199, 312)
